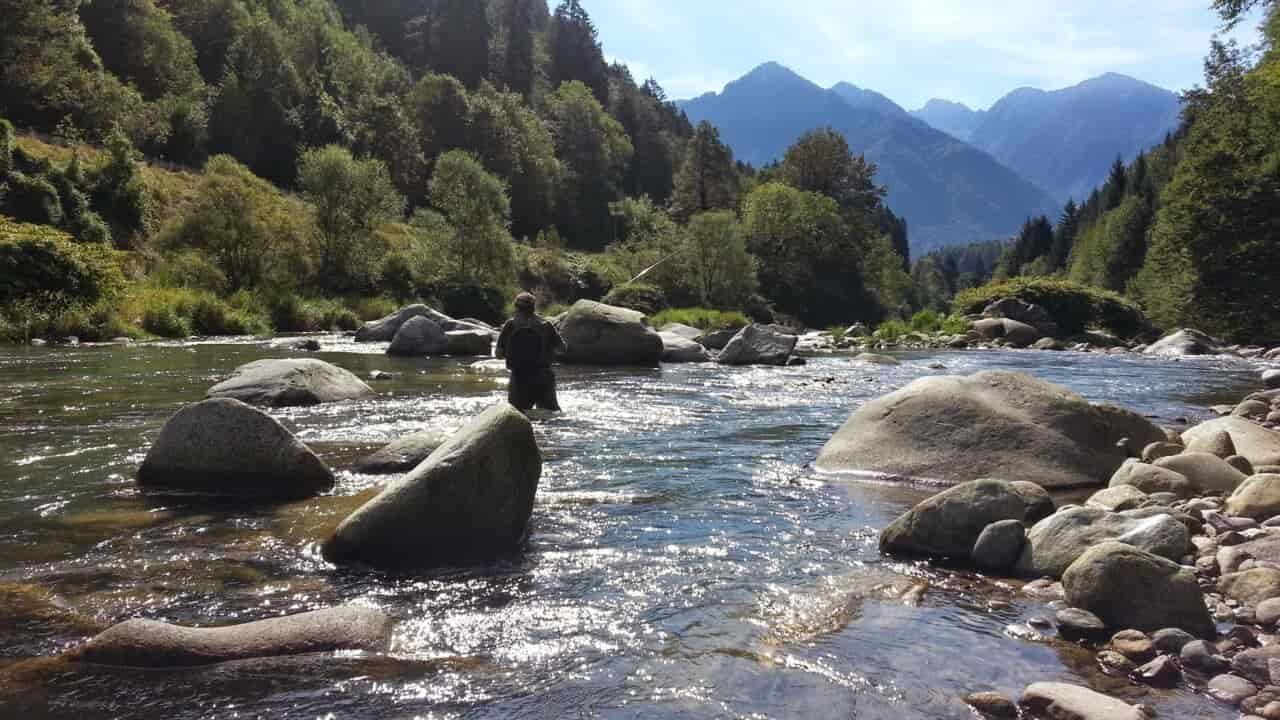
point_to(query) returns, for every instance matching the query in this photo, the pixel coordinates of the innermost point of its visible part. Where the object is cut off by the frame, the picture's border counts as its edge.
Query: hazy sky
(973, 51)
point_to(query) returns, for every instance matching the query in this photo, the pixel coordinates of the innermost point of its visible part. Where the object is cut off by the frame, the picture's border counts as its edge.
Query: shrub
(32, 199)
(701, 318)
(190, 269)
(926, 321)
(181, 312)
(39, 262)
(1072, 306)
(892, 330)
(837, 332)
(648, 299)
(475, 301)
(954, 325)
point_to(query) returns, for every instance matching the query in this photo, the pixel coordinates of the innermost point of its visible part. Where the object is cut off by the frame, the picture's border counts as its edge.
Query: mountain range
(956, 174)
(1065, 140)
(949, 191)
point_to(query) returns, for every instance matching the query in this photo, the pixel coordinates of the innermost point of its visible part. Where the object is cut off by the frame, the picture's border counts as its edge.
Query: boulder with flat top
(599, 334)
(287, 383)
(994, 424)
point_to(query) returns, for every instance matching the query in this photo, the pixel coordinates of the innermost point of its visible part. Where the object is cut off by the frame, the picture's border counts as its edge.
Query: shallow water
(684, 560)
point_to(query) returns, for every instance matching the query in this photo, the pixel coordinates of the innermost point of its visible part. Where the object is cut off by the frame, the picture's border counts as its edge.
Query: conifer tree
(575, 50)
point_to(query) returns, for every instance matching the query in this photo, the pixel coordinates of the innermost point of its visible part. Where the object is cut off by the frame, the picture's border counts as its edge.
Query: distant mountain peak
(868, 99)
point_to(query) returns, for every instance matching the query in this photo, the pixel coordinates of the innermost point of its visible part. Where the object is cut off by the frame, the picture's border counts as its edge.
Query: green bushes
(701, 318)
(1072, 306)
(475, 301)
(892, 330)
(928, 321)
(648, 299)
(38, 262)
(290, 313)
(181, 312)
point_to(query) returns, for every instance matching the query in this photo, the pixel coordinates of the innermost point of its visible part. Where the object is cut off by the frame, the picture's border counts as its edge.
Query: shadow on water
(684, 560)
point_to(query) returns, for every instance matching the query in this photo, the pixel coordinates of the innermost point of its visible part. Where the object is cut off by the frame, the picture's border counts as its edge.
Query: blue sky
(973, 51)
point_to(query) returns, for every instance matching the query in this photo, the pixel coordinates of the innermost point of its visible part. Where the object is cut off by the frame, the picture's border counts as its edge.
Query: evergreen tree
(595, 151)
(461, 41)
(1116, 185)
(518, 62)
(575, 50)
(1064, 236)
(708, 179)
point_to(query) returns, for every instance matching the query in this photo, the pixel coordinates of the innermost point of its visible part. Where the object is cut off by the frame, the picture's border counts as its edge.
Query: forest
(299, 164)
(178, 167)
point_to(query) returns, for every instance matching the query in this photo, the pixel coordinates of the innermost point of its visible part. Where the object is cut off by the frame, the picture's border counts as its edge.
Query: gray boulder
(1151, 479)
(469, 343)
(716, 339)
(1061, 701)
(993, 424)
(385, 330)
(1155, 451)
(999, 545)
(680, 349)
(152, 644)
(419, 336)
(1102, 580)
(1207, 473)
(1271, 379)
(224, 446)
(1023, 312)
(1039, 502)
(1260, 445)
(598, 334)
(1056, 542)
(469, 501)
(1257, 498)
(288, 383)
(1185, 342)
(685, 331)
(402, 455)
(949, 523)
(758, 345)
(874, 359)
(1019, 334)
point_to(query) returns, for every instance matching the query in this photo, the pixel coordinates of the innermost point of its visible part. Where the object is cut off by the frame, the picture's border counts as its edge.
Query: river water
(685, 561)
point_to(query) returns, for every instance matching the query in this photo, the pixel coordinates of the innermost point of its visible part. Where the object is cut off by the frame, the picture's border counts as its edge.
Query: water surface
(684, 560)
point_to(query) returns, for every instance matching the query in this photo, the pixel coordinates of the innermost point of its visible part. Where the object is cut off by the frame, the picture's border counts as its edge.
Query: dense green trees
(595, 151)
(475, 204)
(708, 179)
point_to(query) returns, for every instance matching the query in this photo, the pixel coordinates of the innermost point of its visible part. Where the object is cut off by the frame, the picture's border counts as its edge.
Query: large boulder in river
(949, 523)
(419, 336)
(1056, 542)
(469, 343)
(681, 349)
(1185, 342)
(226, 447)
(1024, 312)
(288, 383)
(402, 455)
(152, 644)
(1129, 588)
(598, 334)
(993, 424)
(688, 332)
(469, 501)
(1256, 443)
(385, 330)
(758, 345)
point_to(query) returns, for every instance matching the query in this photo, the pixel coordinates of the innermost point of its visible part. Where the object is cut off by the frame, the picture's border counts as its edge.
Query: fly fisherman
(529, 345)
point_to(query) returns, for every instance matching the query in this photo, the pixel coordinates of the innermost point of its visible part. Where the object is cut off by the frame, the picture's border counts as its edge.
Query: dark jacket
(552, 343)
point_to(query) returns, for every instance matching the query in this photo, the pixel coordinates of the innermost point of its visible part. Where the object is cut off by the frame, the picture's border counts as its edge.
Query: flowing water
(684, 560)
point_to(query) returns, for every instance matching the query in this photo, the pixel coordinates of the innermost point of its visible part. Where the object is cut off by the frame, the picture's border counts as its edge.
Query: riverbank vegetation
(307, 164)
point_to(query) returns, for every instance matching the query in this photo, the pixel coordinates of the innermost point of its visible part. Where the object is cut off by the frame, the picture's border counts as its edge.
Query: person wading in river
(529, 344)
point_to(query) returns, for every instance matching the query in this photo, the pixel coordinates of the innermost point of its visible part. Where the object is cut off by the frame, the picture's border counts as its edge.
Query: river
(685, 561)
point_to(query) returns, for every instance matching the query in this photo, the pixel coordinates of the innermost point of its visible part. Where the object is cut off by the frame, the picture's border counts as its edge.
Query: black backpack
(526, 348)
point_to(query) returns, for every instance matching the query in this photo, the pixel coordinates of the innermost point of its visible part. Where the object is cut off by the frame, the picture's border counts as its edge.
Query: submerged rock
(287, 383)
(598, 334)
(758, 345)
(874, 359)
(469, 501)
(1104, 578)
(993, 424)
(224, 446)
(1072, 702)
(1055, 543)
(151, 644)
(402, 455)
